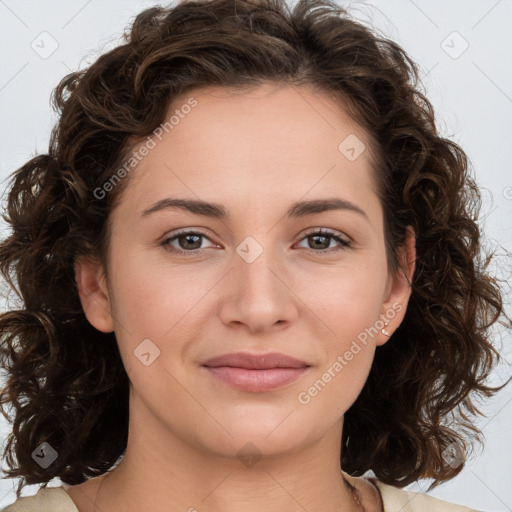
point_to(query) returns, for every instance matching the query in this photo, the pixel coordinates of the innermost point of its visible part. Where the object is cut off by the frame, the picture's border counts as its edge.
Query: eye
(189, 241)
(322, 239)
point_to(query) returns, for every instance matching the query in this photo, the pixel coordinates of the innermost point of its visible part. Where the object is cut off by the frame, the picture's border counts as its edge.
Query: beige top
(56, 499)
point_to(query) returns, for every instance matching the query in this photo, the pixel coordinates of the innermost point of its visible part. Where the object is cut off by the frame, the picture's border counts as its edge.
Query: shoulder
(49, 499)
(396, 499)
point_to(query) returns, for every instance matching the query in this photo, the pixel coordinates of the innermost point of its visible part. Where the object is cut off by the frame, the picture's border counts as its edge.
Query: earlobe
(93, 292)
(395, 304)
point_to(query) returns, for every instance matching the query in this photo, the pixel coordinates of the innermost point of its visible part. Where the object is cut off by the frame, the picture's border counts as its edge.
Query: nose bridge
(255, 266)
(259, 296)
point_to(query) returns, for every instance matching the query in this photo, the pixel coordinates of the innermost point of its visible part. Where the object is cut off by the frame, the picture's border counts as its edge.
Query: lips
(255, 372)
(255, 361)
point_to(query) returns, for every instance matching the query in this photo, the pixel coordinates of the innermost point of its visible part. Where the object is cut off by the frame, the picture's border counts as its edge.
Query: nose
(258, 295)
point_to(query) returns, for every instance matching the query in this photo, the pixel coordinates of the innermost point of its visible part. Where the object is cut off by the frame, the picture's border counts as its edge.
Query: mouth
(255, 372)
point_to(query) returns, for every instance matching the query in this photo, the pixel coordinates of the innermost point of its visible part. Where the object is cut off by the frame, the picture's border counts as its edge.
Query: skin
(255, 152)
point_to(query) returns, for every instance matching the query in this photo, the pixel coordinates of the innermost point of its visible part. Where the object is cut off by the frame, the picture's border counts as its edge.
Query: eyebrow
(217, 211)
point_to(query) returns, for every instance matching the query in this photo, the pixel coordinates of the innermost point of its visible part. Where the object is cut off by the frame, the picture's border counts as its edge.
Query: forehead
(259, 141)
(279, 115)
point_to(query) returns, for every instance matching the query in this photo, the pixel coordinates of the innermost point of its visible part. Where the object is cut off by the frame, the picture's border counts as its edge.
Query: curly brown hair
(66, 380)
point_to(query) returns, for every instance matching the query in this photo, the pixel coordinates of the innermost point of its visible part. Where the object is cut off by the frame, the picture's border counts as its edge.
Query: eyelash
(345, 244)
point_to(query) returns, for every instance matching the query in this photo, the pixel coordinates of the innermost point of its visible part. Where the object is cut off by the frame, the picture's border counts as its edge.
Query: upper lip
(255, 361)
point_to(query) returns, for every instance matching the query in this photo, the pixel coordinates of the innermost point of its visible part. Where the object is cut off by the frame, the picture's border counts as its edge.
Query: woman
(250, 275)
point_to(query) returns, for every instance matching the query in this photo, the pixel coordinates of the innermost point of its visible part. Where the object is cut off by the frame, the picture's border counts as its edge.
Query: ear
(93, 292)
(398, 289)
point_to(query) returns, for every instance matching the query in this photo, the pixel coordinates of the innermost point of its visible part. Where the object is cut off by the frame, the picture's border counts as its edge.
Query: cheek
(345, 300)
(348, 350)
(346, 307)
(150, 298)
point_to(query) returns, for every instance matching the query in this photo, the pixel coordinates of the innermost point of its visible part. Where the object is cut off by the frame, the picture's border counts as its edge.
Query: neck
(177, 475)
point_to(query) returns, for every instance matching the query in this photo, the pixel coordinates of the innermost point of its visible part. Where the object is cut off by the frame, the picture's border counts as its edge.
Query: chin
(249, 448)
(267, 432)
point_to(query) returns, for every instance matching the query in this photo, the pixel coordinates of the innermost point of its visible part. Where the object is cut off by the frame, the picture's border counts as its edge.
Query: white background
(472, 95)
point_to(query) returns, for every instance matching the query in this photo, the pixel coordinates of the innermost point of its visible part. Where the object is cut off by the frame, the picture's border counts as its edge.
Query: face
(189, 284)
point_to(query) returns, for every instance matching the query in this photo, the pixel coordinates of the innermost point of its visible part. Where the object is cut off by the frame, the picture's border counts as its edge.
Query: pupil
(188, 237)
(321, 236)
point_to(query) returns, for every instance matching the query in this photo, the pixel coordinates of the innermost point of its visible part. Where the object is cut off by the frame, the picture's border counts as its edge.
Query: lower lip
(256, 380)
